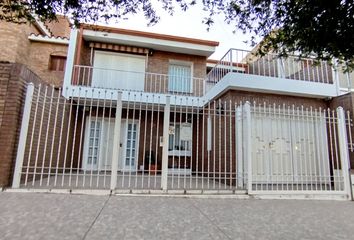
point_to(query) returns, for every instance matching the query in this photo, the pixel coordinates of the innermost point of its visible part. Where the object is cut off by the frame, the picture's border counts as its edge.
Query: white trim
(38, 38)
(70, 62)
(262, 84)
(157, 44)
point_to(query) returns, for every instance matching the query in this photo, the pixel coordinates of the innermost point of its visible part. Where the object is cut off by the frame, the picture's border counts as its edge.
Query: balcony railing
(137, 81)
(271, 65)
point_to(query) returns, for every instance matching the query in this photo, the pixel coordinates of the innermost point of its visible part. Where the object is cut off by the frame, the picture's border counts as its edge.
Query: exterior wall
(347, 102)
(39, 60)
(15, 47)
(14, 44)
(159, 62)
(13, 79)
(261, 98)
(60, 27)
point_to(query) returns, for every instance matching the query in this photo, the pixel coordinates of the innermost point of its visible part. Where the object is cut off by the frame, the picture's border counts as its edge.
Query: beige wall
(14, 44)
(39, 58)
(15, 47)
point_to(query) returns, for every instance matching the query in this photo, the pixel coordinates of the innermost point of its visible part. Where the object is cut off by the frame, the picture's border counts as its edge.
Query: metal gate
(144, 142)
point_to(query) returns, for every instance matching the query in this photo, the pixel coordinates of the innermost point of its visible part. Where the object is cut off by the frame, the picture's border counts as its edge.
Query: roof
(150, 35)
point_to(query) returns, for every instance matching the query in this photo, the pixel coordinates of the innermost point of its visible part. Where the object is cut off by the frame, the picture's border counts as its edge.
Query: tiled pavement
(65, 216)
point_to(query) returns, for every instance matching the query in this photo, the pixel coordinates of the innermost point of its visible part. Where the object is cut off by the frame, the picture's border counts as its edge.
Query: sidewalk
(64, 216)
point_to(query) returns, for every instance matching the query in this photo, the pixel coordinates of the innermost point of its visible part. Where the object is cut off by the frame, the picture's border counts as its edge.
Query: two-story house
(145, 112)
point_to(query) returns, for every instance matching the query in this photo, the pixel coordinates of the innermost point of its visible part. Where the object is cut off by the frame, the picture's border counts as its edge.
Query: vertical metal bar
(139, 117)
(157, 140)
(166, 124)
(343, 151)
(225, 147)
(350, 131)
(60, 141)
(23, 136)
(151, 139)
(39, 135)
(116, 140)
(190, 148)
(54, 136)
(220, 146)
(144, 143)
(67, 140)
(214, 144)
(331, 144)
(247, 141)
(109, 144)
(239, 147)
(230, 143)
(74, 139)
(126, 130)
(136, 162)
(335, 122)
(49, 114)
(197, 146)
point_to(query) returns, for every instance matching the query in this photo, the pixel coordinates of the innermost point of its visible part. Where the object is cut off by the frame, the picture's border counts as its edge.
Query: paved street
(64, 216)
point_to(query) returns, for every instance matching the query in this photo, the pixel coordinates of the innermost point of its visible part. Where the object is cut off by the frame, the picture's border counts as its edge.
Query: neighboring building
(148, 112)
(28, 53)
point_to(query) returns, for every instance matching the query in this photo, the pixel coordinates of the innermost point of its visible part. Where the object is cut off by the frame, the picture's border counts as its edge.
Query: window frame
(180, 152)
(58, 61)
(182, 64)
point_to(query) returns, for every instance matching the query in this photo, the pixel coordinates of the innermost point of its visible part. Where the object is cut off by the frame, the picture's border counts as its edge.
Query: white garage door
(288, 150)
(118, 71)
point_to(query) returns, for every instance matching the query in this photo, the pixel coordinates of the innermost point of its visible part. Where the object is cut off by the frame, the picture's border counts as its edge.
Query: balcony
(88, 76)
(271, 65)
(243, 70)
(238, 69)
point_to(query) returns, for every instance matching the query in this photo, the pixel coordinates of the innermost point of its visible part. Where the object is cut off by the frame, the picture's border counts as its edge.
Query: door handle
(120, 144)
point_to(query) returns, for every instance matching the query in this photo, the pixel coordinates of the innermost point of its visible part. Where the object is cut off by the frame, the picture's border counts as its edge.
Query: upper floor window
(180, 77)
(57, 63)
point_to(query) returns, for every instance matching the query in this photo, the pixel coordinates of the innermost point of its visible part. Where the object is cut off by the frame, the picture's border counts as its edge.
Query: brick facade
(14, 43)
(13, 79)
(15, 47)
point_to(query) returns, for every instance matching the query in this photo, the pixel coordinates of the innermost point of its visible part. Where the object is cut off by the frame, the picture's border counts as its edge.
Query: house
(147, 112)
(28, 53)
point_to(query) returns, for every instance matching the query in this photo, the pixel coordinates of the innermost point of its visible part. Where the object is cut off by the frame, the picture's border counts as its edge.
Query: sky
(189, 24)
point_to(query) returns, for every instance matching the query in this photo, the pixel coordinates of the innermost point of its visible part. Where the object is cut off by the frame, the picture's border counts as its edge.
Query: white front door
(129, 143)
(118, 71)
(92, 144)
(98, 148)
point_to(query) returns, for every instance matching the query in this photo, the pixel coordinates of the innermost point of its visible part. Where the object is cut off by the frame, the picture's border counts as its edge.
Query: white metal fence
(146, 143)
(271, 65)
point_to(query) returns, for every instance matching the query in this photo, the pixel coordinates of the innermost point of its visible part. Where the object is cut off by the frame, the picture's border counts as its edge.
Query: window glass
(179, 78)
(180, 137)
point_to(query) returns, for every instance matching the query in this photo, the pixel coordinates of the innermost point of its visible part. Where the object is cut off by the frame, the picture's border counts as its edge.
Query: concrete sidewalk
(64, 216)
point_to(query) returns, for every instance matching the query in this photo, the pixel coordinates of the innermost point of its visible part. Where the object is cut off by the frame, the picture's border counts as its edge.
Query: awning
(120, 48)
